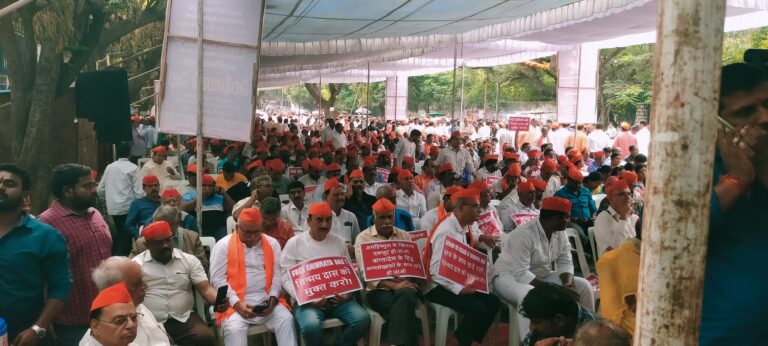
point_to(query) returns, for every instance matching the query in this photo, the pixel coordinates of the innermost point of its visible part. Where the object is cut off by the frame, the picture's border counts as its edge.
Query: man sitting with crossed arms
(395, 299)
(247, 262)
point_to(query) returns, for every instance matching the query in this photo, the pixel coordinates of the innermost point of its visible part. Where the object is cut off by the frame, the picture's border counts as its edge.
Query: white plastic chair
(231, 224)
(443, 315)
(284, 199)
(572, 234)
(514, 322)
(592, 245)
(208, 242)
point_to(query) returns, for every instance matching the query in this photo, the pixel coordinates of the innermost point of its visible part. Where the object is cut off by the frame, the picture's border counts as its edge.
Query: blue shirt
(735, 285)
(582, 204)
(140, 214)
(34, 262)
(403, 220)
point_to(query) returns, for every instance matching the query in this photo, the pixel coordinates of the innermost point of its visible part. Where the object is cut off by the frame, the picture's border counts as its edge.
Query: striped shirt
(527, 254)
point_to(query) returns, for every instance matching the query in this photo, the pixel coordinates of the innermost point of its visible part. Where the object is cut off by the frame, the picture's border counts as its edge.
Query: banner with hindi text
(463, 265)
(391, 258)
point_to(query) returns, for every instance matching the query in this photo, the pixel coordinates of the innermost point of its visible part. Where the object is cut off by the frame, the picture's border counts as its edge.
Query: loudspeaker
(102, 97)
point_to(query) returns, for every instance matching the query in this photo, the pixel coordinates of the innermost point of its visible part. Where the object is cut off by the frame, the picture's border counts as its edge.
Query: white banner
(576, 81)
(229, 55)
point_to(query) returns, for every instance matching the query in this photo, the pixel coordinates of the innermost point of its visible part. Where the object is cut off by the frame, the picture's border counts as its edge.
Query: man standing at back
(121, 185)
(407, 147)
(34, 279)
(88, 241)
(624, 140)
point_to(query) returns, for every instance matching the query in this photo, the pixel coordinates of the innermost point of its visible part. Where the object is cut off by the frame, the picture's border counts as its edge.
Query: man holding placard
(393, 298)
(319, 242)
(479, 309)
(528, 253)
(245, 261)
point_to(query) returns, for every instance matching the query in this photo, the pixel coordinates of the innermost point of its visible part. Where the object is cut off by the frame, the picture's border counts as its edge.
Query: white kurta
(303, 247)
(611, 231)
(415, 204)
(450, 227)
(345, 225)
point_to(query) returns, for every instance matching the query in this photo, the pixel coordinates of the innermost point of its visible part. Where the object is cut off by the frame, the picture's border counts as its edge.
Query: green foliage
(735, 43)
(626, 77)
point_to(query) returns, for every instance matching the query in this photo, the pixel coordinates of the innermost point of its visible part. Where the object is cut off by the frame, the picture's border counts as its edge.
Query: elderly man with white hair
(118, 269)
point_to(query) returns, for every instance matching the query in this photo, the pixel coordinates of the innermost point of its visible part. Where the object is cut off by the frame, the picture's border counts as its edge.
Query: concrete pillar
(686, 85)
(396, 107)
(577, 86)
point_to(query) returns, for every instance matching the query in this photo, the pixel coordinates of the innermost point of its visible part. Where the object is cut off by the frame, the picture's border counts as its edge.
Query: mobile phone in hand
(221, 295)
(260, 308)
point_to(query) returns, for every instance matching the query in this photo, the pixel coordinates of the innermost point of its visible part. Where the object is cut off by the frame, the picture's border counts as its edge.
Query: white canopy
(339, 40)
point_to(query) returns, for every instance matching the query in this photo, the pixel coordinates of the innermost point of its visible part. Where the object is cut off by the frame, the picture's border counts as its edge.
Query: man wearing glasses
(116, 270)
(617, 223)
(113, 318)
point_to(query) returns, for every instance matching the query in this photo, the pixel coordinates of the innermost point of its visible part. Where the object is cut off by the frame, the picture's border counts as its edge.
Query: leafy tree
(47, 44)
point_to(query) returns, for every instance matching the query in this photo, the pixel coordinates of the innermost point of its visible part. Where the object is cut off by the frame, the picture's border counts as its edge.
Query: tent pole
(453, 88)
(14, 7)
(200, 154)
(676, 223)
(497, 101)
(461, 109)
(368, 96)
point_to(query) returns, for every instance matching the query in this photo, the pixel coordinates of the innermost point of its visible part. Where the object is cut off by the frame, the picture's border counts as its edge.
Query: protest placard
(384, 173)
(418, 235)
(295, 172)
(309, 190)
(323, 277)
(492, 180)
(463, 265)
(487, 224)
(518, 123)
(387, 259)
(521, 219)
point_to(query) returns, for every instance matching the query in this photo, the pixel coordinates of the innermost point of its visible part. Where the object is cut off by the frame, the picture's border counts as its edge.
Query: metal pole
(14, 7)
(453, 88)
(461, 115)
(368, 96)
(497, 101)
(687, 67)
(200, 147)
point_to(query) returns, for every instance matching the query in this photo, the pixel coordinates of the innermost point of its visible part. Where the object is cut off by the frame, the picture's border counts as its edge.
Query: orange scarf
(236, 269)
(428, 248)
(441, 211)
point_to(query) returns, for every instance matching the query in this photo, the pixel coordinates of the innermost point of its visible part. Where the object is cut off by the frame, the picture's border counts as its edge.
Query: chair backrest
(208, 242)
(572, 234)
(592, 244)
(231, 225)
(284, 199)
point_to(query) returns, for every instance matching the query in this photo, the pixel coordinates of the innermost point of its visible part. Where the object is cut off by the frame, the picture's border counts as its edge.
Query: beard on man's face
(8, 203)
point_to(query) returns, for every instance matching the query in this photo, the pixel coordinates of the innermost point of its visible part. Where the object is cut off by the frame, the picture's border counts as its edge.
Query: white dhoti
(280, 322)
(506, 287)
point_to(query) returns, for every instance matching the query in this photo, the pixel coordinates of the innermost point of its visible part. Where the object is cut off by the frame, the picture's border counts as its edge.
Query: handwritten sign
(521, 219)
(387, 259)
(323, 277)
(463, 265)
(384, 173)
(518, 123)
(295, 172)
(487, 224)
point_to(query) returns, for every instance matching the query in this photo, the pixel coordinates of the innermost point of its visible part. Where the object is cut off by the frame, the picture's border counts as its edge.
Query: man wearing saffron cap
(549, 175)
(583, 206)
(297, 210)
(276, 170)
(159, 166)
(395, 299)
(247, 261)
(408, 199)
(357, 201)
(183, 239)
(485, 202)
(507, 184)
(446, 177)
(140, 213)
(321, 242)
(478, 309)
(446, 206)
(522, 210)
(616, 224)
(261, 189)
(426, 176)
(345, 223)
(490, 168)
(113, 318)
(314, 177)
(217, 205)
(370, 175)
(527, 255)
(171, 300)
(172, 197)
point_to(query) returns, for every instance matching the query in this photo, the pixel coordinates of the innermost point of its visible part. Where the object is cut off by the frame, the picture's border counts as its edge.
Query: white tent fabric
(338, 40)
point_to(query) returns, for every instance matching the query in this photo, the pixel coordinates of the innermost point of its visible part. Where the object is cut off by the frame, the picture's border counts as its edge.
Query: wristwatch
(40, 331)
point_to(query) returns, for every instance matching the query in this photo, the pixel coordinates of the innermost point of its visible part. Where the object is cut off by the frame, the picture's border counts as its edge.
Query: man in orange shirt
(624, 140)
(426, 176)
(272, 225)
(578, 140)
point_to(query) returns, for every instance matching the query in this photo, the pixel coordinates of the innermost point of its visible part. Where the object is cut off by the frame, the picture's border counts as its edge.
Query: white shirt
(295, 217)
(553, 185)
(510, 211)
(371, 189)
(643, 137)
(527, 254)
(611, 231)
(404, 148)
(558, 139)
(429, 220)
(450, 227)
(339, 139)
(598, 140)
(484, 132)
(169, 291)
(505, 137)
(345, 225)
(317, 195)
(415, 204)
(149, 333)
(436, 197)
(303, 247)
(256, 291)
(160, 171)
(120, 186)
